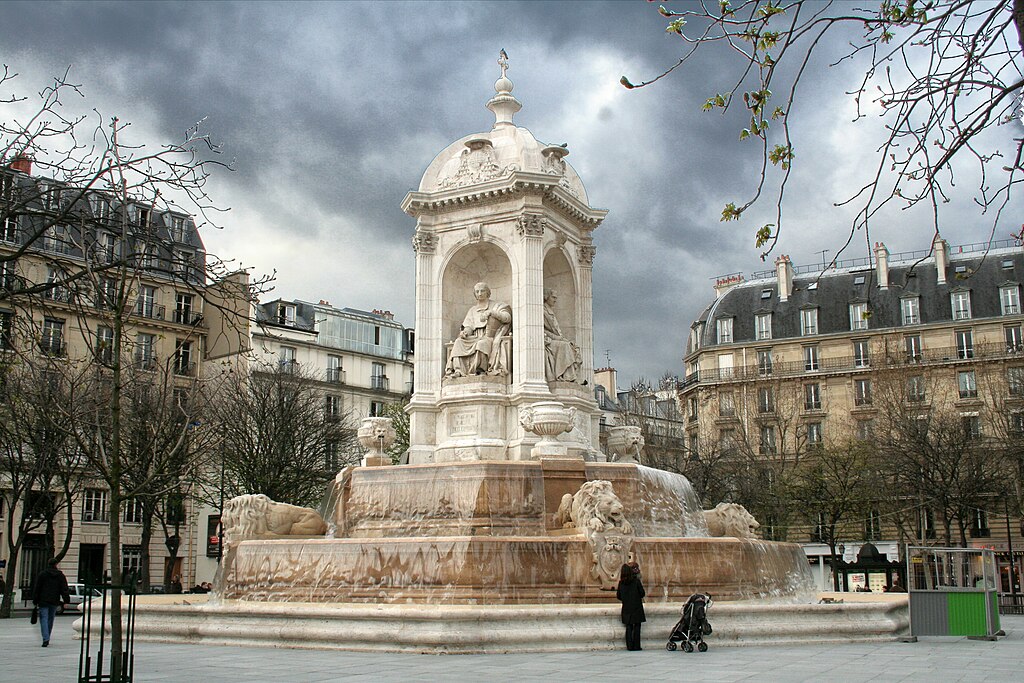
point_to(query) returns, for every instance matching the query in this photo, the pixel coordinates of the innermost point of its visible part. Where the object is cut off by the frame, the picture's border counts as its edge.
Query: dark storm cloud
(331, 112)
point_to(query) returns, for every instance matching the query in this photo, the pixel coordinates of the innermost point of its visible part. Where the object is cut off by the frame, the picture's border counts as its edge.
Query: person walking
(50, 590)
(630, 593)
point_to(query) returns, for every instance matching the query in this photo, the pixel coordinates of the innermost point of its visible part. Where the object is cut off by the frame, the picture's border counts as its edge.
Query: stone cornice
(519, 182)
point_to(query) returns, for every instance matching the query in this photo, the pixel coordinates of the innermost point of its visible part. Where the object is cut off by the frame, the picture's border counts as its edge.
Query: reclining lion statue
(731, 519)
(255, 515)
(595, 507)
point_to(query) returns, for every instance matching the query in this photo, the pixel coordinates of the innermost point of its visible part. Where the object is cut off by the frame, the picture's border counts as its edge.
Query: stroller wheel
(670, 646)
(702, 647)
(687, 646)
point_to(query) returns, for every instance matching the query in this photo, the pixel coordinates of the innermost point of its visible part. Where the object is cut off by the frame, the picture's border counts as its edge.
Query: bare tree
(278, 434)
(95, 223)
(39, 467)
(931, 436)
(942, 74)
(833, 484)
(400, 421)
(165, 439)
(768, 441)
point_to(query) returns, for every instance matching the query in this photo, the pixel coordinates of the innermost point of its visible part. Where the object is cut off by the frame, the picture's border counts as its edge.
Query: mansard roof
(831, 294)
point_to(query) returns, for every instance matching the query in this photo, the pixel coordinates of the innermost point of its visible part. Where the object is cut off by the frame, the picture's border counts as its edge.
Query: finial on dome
(503, 61)
(503, 104)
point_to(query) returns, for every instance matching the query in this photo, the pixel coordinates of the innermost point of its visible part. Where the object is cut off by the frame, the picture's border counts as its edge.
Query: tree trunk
(116, 631)
(11, 572)
(1018, 21)
(69, 527)
(147, 537)
(834, 562)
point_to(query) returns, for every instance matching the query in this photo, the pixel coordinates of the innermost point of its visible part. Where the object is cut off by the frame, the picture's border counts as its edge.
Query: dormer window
(859, 316)
(177, 228)
(724, 330)
(910, 308)
(763, 325)
(1009, 299)
(961, 304)
(142, 216)
(286, 314)
(808, 322)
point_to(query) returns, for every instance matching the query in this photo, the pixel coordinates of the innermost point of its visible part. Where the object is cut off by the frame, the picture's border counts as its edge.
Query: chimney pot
(22, 163)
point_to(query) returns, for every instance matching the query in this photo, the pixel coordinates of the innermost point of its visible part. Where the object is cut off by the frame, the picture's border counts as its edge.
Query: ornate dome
(506, 148)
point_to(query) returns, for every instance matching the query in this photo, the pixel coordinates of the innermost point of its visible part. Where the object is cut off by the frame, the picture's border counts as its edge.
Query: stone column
(427, 381)
(529, 327)
(585, 311)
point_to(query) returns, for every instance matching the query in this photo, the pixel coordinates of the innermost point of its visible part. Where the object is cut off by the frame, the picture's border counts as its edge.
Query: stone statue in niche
(482, 346)
(562, 359)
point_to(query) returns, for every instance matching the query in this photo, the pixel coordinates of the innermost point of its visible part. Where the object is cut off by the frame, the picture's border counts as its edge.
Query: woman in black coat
(631, 594)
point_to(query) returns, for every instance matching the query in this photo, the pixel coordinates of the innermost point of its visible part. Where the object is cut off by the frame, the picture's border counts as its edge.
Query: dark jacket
(631, 594)
(51, 588)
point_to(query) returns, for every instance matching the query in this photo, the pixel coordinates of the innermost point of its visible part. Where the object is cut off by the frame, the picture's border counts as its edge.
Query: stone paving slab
(931, 660)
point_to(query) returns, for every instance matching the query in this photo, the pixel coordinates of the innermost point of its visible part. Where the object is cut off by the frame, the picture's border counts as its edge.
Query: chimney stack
(784, 271)
(941, 249)
(605, 377)
(22, 163)
(727, 282)
(882, 265)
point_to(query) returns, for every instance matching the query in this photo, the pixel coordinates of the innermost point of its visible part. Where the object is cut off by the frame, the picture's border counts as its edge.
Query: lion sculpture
(624, 444)
(257, 516)
(593, 508)
(731, 519)
(597, 513)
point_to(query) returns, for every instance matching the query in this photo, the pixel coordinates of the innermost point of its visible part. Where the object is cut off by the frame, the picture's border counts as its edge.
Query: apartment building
(364, 358)
(98, 262)
(794, 357)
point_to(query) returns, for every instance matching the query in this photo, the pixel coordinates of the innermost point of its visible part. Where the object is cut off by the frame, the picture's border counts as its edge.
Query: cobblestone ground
(936, 660)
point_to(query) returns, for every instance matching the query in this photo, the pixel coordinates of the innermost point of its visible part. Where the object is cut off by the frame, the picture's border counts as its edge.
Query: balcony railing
(187, 317)
(148, 310)
(380, 383)
(334, 376)
(53, 347)
(184, 369)
(841, 364)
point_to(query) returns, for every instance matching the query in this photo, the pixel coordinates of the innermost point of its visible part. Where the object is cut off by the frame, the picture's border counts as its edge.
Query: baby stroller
(694, 625)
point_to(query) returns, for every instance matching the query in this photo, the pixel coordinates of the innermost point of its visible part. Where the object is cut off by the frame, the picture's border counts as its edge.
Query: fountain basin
(502, 570)
(504, 498)
(457, 629)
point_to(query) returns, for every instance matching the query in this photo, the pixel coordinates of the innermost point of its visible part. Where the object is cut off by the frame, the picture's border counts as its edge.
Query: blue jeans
(47, 613)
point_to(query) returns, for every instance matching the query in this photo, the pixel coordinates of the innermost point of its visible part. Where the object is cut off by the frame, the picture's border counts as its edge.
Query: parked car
(78, 595)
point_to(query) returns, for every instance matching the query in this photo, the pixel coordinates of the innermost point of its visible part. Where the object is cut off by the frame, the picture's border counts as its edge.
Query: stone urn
(376, 435)
(548, 420)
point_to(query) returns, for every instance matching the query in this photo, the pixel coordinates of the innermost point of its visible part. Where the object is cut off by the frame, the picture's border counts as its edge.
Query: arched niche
(473, 263)
(558, 276)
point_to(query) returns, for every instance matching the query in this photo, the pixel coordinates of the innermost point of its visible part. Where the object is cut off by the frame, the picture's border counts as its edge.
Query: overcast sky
(331, 113)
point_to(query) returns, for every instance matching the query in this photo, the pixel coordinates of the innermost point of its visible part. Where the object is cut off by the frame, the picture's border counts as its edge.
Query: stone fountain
(509, 523)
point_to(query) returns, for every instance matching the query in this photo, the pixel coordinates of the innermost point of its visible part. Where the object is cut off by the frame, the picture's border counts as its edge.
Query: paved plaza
(936, 660)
